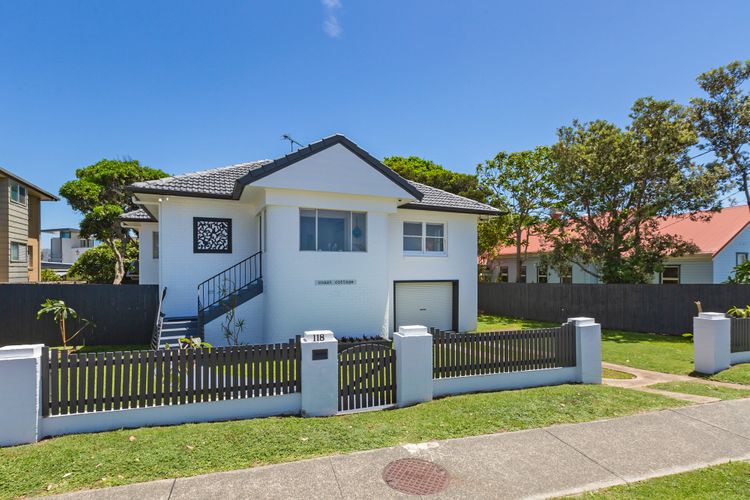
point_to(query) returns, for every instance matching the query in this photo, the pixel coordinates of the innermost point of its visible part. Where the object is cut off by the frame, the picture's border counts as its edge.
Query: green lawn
(490, 323)
(110, 348)
(616, 374)
(703, 390)
(661, 353)
(738, 374)
(725, 481)
(127, 456)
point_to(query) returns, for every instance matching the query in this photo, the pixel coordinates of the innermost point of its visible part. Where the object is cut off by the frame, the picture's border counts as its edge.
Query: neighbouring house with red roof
(723, 242)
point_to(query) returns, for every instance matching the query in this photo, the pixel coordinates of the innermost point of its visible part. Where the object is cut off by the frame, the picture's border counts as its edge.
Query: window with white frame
(670, 275)
(740, 258)
(502, 274)
(541, 274)
(332, 230)
(566, 273)
(18, 251)
(424, 238)
(18, 193)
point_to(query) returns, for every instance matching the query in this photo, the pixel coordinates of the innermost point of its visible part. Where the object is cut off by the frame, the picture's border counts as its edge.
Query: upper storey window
(426, 238)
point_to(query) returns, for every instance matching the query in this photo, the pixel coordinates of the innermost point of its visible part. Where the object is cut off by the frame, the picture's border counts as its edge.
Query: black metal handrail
(227, 282)
(158, 321)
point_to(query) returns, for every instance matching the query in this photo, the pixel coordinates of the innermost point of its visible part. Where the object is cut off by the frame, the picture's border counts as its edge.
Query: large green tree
(99, 194)
(615, 186)
(491, 231)
(723, 119)
(430, 173)
(521, 185)
(98, 264)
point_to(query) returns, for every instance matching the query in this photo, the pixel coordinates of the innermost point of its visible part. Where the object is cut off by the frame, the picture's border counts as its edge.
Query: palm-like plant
(60, 312)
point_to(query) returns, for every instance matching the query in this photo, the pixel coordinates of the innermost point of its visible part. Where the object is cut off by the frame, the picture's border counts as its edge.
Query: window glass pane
(412, 229)
(434, 245)
(435, 230)
(502, 276)
(14, 252)
(155, 245)
(21, 194)
(412, 243)
(307, 229)
(334, 234)
(523, 274)
(671, 275)
(359, 232)
(14, 191)
(741, 258)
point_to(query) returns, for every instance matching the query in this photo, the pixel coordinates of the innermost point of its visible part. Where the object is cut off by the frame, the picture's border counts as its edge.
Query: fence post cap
(712, 316)
(412, 330)
(582, 321)
(318, 336)
(21, 351)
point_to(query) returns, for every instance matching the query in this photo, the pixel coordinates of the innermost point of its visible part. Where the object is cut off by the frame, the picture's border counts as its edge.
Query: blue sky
(189, 85)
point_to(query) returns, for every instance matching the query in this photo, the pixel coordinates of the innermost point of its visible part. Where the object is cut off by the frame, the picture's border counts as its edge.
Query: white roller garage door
(425, 303)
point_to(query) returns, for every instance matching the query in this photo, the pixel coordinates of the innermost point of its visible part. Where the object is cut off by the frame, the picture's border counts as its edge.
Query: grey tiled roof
(435, 198)
(227, 182)
(139, 215)
(214, 183)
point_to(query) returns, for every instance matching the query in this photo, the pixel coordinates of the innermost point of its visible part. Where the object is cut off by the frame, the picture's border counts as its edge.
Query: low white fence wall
(713, 342)
(22, 388)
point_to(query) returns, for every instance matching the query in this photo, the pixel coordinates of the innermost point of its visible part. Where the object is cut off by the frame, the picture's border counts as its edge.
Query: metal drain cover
(415, 476)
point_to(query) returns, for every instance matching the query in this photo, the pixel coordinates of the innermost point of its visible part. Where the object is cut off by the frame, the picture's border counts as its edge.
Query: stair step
(181, 318)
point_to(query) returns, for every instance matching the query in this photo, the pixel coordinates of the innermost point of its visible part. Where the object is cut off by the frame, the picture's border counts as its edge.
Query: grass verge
(616, 374)
(738, 374)
(699, 389)
(127, 456)
(726, 481)
(490, 323)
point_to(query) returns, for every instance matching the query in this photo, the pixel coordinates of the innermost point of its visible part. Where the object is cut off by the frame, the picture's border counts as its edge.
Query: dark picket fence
(123, 314)
(367, 375)
(640, 308)
(86, 382)
(462, 354)
(740, 333)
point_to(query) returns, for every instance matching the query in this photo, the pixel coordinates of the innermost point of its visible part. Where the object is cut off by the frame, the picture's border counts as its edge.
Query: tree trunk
(745, 188)
(119, 262)
(519, 261)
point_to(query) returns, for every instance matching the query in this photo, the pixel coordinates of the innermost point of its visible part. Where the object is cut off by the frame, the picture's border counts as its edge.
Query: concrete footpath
(539, 463)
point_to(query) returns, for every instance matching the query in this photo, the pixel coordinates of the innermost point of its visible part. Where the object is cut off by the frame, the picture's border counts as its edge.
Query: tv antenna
(292, 142)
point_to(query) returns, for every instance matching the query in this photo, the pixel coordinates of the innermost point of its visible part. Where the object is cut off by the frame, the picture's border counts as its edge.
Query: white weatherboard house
(325, 238)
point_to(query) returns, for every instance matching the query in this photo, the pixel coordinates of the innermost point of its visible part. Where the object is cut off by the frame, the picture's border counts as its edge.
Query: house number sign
(335, 282)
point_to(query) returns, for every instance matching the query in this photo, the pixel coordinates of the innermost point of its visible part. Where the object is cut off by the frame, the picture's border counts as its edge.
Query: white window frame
(423, 252)
(740, 258)
(351, 224)
(542, 271)
(20, 201)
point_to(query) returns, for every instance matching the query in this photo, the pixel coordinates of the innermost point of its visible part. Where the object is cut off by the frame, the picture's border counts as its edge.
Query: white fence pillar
(20, 390)
(588, 350)
(320, 374)
(711, 342)
(413, 345)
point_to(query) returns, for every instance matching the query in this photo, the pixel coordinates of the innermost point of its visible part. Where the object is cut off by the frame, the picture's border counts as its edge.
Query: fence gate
(367, 376)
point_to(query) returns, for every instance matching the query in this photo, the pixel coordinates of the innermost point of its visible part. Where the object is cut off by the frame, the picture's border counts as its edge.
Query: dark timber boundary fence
(86, 382)
(640, 308)
(460, 354)
(123, 314)
(740, 334)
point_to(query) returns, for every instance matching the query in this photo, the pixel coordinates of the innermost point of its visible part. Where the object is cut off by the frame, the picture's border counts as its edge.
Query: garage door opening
(429, 303)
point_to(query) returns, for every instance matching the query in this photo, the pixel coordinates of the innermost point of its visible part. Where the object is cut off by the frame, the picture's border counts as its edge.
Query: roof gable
(255, 175)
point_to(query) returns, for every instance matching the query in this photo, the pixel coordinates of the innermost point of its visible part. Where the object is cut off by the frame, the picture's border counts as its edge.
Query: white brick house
(326, 237)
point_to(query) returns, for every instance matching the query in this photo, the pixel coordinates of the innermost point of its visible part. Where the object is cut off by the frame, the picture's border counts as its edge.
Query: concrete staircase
(174, 329)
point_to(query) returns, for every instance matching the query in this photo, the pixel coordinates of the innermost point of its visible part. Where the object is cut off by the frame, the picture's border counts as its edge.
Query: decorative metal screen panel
(212, 235)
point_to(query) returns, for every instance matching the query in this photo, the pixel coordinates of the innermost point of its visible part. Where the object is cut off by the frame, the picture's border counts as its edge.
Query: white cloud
(331, 24)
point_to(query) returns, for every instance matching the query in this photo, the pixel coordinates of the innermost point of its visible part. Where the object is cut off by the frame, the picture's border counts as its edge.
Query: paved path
(558, 460)
(645, 378)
